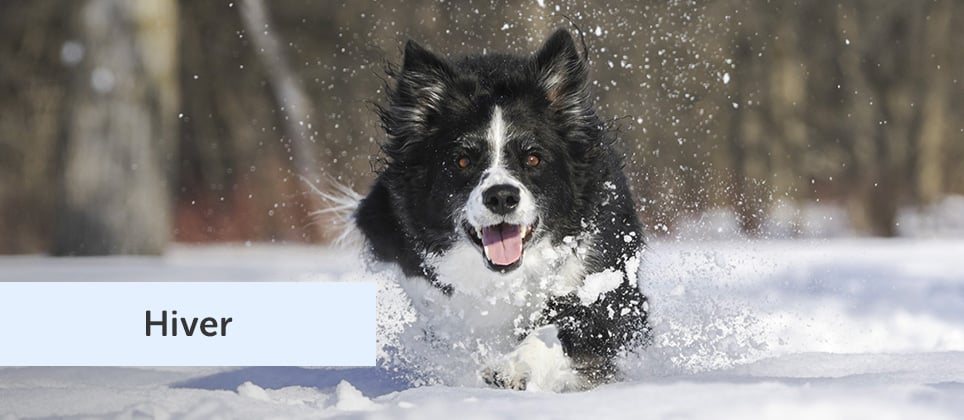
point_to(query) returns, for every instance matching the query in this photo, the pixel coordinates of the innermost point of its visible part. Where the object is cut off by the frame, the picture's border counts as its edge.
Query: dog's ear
(419, 60)
(422, 81)
(421, 85)
(560, 71)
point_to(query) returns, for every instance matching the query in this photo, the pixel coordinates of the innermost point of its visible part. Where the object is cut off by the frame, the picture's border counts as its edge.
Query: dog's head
(490, 149)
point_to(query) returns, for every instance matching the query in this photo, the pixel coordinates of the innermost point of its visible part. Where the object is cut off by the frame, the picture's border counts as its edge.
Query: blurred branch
(290, 95)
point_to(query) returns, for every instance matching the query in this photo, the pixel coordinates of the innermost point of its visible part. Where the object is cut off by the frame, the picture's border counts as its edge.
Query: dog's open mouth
(502, 244)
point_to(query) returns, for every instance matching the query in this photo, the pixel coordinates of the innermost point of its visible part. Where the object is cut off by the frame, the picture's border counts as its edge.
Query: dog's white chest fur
(488, 313)
(545, 271)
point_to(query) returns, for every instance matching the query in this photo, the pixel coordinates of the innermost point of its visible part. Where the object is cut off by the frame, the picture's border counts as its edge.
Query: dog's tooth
(523, 230)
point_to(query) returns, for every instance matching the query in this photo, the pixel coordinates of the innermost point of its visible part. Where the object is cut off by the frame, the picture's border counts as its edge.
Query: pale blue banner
(217, 324)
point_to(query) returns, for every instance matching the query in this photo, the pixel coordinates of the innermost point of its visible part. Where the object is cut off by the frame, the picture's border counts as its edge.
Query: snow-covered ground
(842, 328)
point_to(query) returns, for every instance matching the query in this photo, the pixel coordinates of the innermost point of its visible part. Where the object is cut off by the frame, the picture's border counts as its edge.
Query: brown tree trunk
(742, 138)
(118, 130)
(936, 91)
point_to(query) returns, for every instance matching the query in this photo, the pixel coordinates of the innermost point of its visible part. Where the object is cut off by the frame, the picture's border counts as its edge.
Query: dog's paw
(538, 363)
(505, 380)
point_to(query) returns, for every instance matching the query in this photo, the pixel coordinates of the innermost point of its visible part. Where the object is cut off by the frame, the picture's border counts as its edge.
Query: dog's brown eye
(463, 162)
(532, 161)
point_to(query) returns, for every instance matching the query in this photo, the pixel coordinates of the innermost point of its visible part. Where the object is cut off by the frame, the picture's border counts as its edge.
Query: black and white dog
(503, 200)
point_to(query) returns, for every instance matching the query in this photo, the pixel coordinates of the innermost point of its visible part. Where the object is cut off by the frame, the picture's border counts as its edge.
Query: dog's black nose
(501, 199)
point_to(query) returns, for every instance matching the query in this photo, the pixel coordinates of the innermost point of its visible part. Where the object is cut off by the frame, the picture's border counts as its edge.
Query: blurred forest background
(125, 125)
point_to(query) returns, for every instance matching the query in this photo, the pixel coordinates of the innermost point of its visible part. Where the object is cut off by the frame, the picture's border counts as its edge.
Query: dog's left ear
(560, 70)
(422, 82)
(423, 63)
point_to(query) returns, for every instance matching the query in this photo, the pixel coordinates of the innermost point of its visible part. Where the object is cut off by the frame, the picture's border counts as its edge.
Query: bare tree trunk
(881, 146)
(742, 138)
(118, 130)
(858, 131)
(936, 91)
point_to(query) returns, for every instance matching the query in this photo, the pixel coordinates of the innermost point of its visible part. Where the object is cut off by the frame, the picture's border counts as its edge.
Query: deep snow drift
(815, 329)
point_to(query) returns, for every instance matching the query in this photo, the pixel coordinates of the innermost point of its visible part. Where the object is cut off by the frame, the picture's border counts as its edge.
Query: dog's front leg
(538, 363)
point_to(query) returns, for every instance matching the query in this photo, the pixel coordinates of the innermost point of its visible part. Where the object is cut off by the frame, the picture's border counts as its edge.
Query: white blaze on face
(497, 136)
(502, 235)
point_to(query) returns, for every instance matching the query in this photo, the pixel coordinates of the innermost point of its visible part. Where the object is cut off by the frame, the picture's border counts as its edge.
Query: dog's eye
(532, 161)
(463, 162)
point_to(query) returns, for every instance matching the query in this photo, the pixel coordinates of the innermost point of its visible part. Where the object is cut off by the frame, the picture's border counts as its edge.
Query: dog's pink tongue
(503, 243)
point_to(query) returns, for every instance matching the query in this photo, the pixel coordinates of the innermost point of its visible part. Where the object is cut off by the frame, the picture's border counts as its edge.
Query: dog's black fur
(436, 108)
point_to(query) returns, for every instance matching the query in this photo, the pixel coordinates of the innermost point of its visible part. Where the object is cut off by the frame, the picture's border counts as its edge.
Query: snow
(944, 218)
(351, 399)
(540, 363)
(597, 284)
(790, 219)
(841, 328)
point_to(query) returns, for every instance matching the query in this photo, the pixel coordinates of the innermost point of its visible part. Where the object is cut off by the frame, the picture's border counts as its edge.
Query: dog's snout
(501, 199)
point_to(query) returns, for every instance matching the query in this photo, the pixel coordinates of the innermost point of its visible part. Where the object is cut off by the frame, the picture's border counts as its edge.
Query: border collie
(503, 201)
